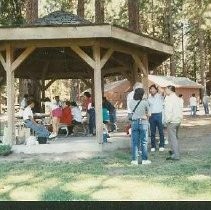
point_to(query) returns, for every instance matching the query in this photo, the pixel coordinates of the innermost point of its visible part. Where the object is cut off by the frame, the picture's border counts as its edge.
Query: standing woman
(56, 112)
(140, 110)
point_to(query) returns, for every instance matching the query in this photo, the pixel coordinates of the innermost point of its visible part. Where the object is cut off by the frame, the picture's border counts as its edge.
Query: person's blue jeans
(40, 130)
(206, 108)
(138, 139)
(193, 110)
(155, 121)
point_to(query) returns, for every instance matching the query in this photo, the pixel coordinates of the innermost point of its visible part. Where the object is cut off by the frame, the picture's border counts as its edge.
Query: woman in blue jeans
(140, 109)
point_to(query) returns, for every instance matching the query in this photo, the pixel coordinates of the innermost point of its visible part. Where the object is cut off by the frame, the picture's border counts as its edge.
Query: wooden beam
(87, 83)
(53, 43)
(106, 57)
(120, 47)
(98, 94)
(10, 95)
(140, 64)
(83, 55)
(49, 84)
(2, 61)
(22, 57)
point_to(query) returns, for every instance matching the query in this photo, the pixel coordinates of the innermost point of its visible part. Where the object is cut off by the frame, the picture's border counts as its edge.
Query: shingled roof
(164, 81)
(60, 18)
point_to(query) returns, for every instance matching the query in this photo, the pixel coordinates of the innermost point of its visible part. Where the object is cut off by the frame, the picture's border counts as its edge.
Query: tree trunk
(80, 8)
(152, 18)
(99, 11)
(170, 36)
(133, 14)
(31, 10)
(201, 49)
(28, 86)
(183, 54)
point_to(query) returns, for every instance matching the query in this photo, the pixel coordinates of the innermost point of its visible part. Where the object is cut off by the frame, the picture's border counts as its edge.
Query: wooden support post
(144, 68)
(102, 84)
(135, 73)
(98, 94)
(10, 95)
(145, 80)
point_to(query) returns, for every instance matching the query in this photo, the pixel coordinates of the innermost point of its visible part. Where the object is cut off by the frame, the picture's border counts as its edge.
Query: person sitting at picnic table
(76, 113)
(29, 121)
(66, 117)
(56, 112)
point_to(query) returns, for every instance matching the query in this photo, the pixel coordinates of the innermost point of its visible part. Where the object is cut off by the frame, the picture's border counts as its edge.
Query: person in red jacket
(66, 117)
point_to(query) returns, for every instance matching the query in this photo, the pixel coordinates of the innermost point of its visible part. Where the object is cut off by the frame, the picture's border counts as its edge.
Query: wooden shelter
(64, 46)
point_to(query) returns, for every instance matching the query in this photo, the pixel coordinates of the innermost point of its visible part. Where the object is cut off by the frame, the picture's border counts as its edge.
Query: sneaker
(161, 149)
(134, 162)
(146, 162)
(152, 149)
(53, 135)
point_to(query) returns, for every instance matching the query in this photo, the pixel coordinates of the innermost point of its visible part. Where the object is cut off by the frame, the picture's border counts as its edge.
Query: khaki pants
(172, 131)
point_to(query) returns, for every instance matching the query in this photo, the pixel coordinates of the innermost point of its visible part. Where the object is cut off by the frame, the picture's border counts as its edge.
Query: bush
(5, 150)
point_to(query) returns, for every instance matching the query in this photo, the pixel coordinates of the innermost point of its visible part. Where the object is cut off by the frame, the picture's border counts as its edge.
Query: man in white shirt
(173, 117)
(193, 104)
(29, 121)
(156, 102)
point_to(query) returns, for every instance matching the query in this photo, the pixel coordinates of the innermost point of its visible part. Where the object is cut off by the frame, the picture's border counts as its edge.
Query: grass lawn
(111, 177)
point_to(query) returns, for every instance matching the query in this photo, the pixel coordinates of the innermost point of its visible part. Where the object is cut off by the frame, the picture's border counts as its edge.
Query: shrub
(5, 150)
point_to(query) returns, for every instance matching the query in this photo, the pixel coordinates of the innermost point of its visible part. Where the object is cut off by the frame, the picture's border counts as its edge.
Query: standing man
(156, 103)
(173, 116)
(193, 105)
(206, 103)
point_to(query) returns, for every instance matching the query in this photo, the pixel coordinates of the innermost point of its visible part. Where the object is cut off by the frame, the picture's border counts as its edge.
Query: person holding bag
(139, 118)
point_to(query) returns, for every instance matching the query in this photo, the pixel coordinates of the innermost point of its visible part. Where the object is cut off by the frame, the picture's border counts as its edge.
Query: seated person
(66, 117)
(29, 121)
(76, 113)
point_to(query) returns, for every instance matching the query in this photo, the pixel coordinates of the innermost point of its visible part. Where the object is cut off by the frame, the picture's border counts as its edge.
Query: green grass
(5, 150)
(110, 177)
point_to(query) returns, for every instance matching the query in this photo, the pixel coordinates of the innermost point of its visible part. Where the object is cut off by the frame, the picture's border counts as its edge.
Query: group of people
(193, 101)
(68, 113)
(61, 113)
(162, 107)
(108, 114)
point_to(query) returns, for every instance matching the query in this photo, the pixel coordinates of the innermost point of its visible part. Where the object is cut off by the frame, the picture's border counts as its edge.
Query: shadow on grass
(175, 175)
(58, 194)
